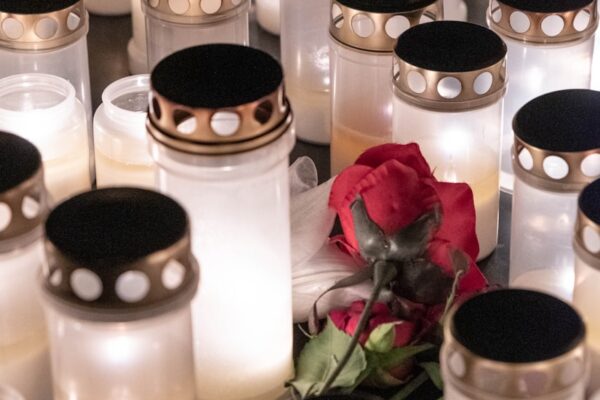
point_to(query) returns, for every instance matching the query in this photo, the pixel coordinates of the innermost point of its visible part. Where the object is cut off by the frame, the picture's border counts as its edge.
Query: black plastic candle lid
(34, 6)
(563, 121)
(517, 326)
(217, 76)
(19, 161)
(386, 6)
(589, 201)
(116, 226)
(450, 46)
(547, 6)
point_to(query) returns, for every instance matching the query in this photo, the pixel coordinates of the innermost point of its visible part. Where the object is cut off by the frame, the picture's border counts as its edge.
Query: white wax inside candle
(267, 15)
(110, 172)
(108, 7)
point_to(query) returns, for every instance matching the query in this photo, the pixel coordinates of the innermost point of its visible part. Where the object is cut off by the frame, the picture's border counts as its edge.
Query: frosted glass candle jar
(108, 7)
(455, 10)
(587, 270)
(514, 344)
(268, 15)
(550, 46)
(305, 58)
(23, 208)
(221, 136)
(117, 291)
(363, 35)
(557, 146)
(44, 110)
(8, 393)
(449, 79)
(136, 49)
(122, 157)
(173, 25)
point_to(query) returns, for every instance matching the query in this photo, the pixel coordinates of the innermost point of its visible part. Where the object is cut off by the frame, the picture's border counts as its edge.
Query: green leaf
(399, 355)
(433, 370)
(381, 340)
(320, 357)
(410, 387)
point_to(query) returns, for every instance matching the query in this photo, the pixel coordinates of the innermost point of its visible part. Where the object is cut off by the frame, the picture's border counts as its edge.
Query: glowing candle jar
(267, 15)
(305, 58)
(449, 79)
(108, 7)
(136, 49)
(363, 35)
(221, 136)
(44, 110)
(23, 208)
(117, 291)
(587, 270)
(512, 345)
(557, 146)
(122, 156)
(172, 25)
(550, 46)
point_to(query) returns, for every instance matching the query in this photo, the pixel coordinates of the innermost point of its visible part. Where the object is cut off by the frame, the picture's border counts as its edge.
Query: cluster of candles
(130, 313)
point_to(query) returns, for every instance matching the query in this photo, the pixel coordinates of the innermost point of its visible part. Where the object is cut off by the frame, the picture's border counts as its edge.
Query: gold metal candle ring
(194, 11)
(540, 27)
(587, 231)
(43, 31)
(382, 26)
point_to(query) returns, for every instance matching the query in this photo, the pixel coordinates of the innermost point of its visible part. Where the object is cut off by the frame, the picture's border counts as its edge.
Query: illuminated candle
(138, 58)
(117, 291)
(557, 146)
(550, 45)
(122, 157)
(108, 7)
(23, 208)
(363, 35)
(514, 344)
(267, 15)
(305, 58)
(449, 79)
(172, 25)
(44, 110)
(221, 136)
(587, 270)
(455, 10)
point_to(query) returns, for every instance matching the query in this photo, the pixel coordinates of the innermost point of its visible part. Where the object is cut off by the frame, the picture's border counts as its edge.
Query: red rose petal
(405, 332)
(407, 154)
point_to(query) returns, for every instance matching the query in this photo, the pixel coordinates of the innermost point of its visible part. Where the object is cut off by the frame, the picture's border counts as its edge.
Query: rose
(397, 187)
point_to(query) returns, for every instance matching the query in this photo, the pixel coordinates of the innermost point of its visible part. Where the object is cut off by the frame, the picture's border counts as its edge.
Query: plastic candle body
(23, 206)
(548, 50)
(457, 128)
(138, 58)
(587, 271)
(361, 60)
(108, 7)
(268, 15)
(455, 10)
(237, 194)
(557, 145)
(117, 292)
(477, 365)
(172, 26)
(44, 110)
(305, 58)
(122, 156)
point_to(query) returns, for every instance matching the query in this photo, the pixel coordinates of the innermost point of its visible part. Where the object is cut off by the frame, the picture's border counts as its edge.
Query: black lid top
(386, 6)
(563, 121)
(517, 326)
(19, 161)
(449, 46)
(34, 6)
(589, 201)
(116, 226)
(547, 6)
(216, 76)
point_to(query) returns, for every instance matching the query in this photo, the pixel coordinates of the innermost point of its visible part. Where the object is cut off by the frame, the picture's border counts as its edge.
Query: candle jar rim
(126, 118)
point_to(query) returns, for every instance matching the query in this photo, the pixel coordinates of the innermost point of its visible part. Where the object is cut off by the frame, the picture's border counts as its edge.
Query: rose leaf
(433, 370)
(399, 355)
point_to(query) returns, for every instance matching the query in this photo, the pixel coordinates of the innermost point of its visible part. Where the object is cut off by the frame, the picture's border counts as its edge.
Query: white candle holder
(23, 208)
(449, 79)
(122, 156)
(550, 47)
(44, 110)
(456, 10)
(117, 291)
(363, 35)
(305, 58)
(587, 272)
(108, 7)
(136, 49)
(221, 136)
(172, 25)
(557, 142)
(268, 15)
(514, 344)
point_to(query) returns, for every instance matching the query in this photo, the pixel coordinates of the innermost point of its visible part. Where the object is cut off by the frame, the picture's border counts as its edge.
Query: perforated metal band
(194, 12)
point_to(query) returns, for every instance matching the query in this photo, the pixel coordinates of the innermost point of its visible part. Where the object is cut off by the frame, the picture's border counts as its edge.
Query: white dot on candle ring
(519, 22)
(225, 123)
(483, 83)
(396, 25)
(236, 2)
(553, 25)
(363, 25)
(526, 159)
(179, 6)
(210, 6)
(132, 286)
(416, 82)
(172, 275)
(46, 28)
(336, 16)
(457, 364)
(582, 20)
(154, 3)
(30, 207)
(591, 240)
(590, 166)
(555, 167)
(73, 21)
(56, 277)
(12, 28)
(571, 372)
(496, 11)
(5, 216)
(86, 284)
(449, 87)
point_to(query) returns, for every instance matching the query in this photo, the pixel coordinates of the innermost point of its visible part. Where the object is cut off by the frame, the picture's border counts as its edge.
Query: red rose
(397, 187)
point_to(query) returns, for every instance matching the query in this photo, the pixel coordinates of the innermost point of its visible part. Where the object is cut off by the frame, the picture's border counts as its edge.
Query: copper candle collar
(194, 11)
